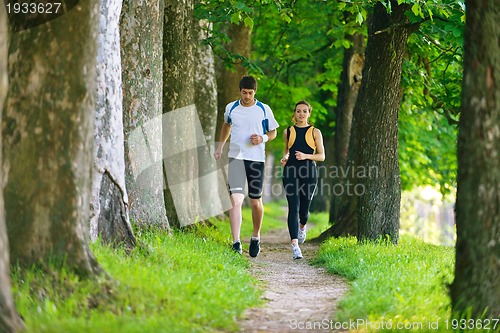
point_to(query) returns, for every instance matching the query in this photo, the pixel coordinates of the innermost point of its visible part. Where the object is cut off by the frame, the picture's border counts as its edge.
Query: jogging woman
(303, 147)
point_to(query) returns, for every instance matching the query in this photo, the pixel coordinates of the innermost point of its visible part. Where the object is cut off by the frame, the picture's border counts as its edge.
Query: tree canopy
(297, 49)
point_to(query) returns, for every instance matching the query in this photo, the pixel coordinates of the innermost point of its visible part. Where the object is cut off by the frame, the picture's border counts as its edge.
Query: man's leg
(257, 216)
(255, 179)
(235, 215)
(236, 180)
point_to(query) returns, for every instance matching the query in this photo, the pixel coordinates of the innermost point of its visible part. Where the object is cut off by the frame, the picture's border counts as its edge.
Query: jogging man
(251, 124)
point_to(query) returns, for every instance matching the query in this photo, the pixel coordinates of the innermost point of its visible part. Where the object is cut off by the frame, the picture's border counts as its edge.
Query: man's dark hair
(248, 82)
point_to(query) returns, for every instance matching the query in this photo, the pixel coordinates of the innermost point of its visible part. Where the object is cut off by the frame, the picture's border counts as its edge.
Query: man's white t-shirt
(245, 121)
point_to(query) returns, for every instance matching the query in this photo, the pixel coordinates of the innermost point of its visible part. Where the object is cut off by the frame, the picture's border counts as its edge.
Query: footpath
(299, 296)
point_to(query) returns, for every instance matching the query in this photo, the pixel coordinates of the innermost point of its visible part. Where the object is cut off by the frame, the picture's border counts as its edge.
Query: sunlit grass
(401, 284)
(180, 283)
(190, 281)
(320, 224)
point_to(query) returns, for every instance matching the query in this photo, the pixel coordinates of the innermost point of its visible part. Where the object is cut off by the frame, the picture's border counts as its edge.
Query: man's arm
(271, 135)
(258, 139)
(224, 135)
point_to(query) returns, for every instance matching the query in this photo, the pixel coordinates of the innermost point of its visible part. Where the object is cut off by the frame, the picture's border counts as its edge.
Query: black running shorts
(241, 172)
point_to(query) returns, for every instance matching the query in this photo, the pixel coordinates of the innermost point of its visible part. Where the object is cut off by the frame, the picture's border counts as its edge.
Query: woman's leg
(290, 185)
(307, 186)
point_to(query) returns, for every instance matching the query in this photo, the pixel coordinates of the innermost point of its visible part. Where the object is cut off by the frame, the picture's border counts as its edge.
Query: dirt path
(297, 294)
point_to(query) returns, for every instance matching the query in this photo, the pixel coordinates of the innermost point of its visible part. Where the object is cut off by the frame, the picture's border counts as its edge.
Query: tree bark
(109, 203)
(10, 321)
(228, 81)
(477, 269)
(377, 171)
(48, 140)
(181, 137)
(142, 74)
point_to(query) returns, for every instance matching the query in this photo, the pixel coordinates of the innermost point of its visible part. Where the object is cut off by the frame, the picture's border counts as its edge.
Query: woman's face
(302, 113)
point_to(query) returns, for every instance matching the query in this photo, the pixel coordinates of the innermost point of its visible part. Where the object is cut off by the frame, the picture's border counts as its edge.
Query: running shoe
(254, 247)
(302, 235)
(296, 253)
(237, 247)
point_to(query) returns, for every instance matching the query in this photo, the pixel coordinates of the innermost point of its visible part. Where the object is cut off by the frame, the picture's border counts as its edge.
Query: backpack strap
(292, 134)
(310, 139)
(265, 122)
(235, 104)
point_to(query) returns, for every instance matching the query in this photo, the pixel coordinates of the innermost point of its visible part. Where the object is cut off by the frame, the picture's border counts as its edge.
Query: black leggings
(299, 183)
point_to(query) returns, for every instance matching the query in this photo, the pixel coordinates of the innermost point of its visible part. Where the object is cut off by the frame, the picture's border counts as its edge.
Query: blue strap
(235, 104)
(265, 122)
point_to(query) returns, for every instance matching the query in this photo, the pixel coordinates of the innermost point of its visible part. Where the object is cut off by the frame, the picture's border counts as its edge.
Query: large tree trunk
(228, 81)
(109, 203)
(142, 73)
(377, 109)
(9, 318)
(48, 140)
(477, 269)
(182, 133)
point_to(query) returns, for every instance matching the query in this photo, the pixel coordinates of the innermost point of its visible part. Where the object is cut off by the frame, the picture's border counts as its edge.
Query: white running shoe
(296, 253)
(302, 235)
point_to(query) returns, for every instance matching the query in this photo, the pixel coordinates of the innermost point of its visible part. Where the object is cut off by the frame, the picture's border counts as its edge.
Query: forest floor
(298, 295)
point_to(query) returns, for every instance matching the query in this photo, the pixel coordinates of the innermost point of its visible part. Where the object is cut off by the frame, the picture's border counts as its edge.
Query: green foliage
(221, 12)
(405, 283)
(297, 53)
(427, 149)
(178, 283)
(432, 93)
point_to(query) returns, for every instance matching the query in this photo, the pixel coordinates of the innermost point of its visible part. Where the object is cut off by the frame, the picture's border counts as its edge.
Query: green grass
(180, 283)
(185, 282)
(193, 282)
(401, 285)
(320, 221)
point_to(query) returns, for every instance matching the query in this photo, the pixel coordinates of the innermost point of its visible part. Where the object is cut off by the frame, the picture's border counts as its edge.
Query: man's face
(247, 96)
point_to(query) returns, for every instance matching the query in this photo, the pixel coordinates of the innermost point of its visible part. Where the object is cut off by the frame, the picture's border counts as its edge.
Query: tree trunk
(142, 74)
(9, 318)
(477, 269)
(227, 81)
(109, 203)
(211, 181)
(182, 133)
(343, 204)
(378, 183)
(48, 140)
